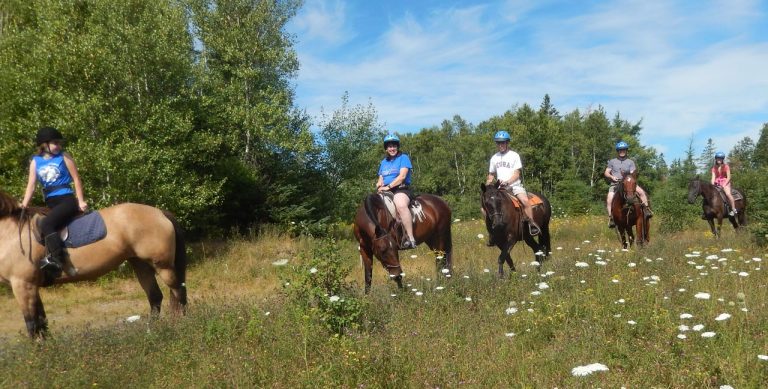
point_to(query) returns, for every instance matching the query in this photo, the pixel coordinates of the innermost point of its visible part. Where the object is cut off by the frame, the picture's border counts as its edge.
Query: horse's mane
(8, 205)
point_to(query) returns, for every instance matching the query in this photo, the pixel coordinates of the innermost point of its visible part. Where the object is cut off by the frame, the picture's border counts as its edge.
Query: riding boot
(53, 263)
(647, 211)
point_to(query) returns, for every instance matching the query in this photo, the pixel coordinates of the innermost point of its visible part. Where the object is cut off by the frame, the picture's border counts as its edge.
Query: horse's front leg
(366, 257)
(28, 298)
(712, 228)
(539, 249)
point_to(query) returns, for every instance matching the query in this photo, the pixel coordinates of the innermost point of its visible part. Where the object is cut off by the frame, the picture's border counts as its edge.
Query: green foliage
(319, 286)
(671, 209)
(574, 198)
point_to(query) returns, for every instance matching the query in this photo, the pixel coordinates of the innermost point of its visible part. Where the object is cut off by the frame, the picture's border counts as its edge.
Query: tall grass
(527, 330)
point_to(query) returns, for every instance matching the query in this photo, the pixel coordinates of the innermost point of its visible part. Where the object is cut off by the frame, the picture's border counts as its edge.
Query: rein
(23, 215)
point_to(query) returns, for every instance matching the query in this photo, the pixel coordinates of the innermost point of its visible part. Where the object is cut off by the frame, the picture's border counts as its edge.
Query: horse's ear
(482, 187)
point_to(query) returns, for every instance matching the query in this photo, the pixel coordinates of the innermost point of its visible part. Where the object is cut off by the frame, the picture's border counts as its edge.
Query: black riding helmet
(47, 134)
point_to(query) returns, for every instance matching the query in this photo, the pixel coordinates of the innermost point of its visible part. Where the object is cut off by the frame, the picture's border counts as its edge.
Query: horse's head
(491, 199)
(694, 190)
(629, 185)
(385, 246)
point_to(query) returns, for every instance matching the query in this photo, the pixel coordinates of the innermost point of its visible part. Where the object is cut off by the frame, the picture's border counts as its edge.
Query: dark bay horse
(714, 207)
(148, 238)
(507, 226)
(378, 234)
(627, 212)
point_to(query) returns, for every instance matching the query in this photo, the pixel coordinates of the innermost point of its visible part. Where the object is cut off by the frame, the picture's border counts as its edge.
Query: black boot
(52, 263)
(647, 211)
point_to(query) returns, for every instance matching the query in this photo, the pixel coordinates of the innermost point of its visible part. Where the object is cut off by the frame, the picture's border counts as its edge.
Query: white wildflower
(581, 371)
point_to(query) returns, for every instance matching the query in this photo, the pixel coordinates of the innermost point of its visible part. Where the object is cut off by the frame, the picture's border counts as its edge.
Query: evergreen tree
(761, 148)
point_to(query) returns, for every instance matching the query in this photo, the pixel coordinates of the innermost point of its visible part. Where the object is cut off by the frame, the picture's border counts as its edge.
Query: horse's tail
(370, 210)
(180, 258)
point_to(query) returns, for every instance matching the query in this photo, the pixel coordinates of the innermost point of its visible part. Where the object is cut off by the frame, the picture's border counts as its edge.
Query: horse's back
(133, 231)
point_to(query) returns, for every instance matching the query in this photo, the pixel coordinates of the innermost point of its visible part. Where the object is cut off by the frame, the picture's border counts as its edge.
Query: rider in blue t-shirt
(395, 176)
(56, 171)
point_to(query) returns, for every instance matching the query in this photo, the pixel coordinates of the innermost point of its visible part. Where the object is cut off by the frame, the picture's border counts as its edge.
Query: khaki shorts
(516, 189)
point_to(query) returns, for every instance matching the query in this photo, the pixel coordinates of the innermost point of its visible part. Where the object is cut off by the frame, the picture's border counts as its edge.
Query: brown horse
(148, 238)
(506, 225)
(714, 205)
(627, 212)
(378, 234)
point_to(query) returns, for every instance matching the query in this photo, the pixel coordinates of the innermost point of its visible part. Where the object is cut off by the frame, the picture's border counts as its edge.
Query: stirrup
(533, 229)
(51, 269)
(408, 245)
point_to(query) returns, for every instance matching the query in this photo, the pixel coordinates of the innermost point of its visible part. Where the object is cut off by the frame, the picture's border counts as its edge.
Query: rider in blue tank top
(53, 175)
(57, 173)
(395, 176)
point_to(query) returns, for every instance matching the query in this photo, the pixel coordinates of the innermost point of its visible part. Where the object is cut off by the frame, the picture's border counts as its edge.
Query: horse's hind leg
(178, 301)
(145, 273)
(28, 298)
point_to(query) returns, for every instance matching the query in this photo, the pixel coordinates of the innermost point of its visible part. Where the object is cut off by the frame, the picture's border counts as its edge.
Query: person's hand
(83, 205)
(382, 188)
(615, 179)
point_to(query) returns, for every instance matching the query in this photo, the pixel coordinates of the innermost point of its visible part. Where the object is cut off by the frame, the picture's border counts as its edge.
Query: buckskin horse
(377, 233)
(627, 212)
(714, 205)
(149, 239)
(506, 224)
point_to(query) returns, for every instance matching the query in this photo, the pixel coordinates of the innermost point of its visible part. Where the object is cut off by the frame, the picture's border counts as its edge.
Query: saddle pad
(86, 230)
(734, 192)
(533, 200)
(416, 212)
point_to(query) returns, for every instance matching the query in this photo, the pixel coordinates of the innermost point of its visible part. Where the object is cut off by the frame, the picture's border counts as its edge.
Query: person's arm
(607, 174)
(515, 176)
(712, 179)
(72, 167)
(31, 181)
(727, 175)
(399, 179)
(490, 178)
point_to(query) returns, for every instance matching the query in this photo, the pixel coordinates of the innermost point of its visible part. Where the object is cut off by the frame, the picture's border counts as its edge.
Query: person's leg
(523, 197)
(608, 202)
(644, 200)
(401, 203)
(62, 210)
(727, 190)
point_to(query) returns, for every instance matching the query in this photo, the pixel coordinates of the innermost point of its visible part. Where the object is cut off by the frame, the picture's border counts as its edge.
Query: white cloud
(682, 68)
(322, 22)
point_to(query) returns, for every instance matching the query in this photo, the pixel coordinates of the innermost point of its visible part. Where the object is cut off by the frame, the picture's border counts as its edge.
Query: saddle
(415, 206)
(533, 199)
(734, 192)
(82, 230)
(417, 214)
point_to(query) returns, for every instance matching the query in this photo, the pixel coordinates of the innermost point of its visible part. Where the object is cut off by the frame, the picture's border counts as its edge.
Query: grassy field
(685, 312)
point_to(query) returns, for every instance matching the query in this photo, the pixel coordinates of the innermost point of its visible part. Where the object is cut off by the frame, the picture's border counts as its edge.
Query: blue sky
(685, 68)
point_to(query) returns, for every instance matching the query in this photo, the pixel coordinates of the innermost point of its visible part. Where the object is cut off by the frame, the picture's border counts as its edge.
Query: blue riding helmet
(622, 146)
(391, 138)
(501, 136)
(719, 155)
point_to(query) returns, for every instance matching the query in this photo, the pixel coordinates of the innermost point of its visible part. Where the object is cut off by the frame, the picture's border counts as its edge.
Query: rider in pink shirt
(721, 176)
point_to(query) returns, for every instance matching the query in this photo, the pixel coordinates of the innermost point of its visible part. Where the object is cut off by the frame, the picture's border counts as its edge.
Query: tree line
(187, 105)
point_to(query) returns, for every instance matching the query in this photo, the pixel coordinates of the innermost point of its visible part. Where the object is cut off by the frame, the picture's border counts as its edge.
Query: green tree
(741, 157)
(115, 78)
(761, 148)
(707, 156)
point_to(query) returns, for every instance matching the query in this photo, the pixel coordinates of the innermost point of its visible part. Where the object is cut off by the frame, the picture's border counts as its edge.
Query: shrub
(319, 287)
